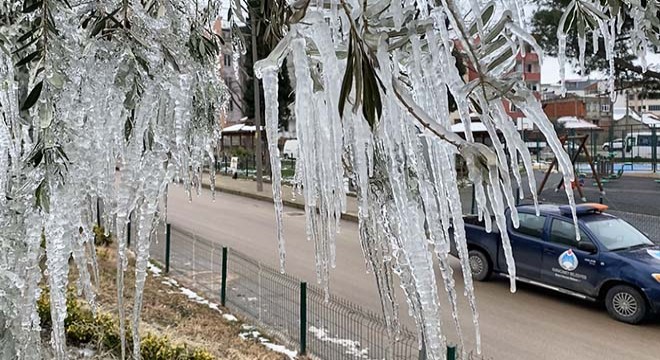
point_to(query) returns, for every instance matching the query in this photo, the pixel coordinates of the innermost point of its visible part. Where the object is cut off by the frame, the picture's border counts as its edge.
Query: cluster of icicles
(404, 168)
(605, 22)
(166, 137)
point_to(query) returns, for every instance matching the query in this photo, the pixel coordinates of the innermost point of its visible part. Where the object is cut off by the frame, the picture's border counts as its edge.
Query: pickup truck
(613, 262)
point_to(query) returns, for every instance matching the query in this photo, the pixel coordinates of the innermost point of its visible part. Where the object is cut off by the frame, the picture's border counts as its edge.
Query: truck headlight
(656, 277)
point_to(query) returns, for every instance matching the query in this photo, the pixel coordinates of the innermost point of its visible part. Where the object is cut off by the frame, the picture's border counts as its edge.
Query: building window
(654, 107)
(529, 68)
(512, 107)
(227, 60)
(231, 106)
(605, 107)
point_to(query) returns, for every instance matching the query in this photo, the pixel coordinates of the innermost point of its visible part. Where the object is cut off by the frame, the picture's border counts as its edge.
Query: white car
(617, 144)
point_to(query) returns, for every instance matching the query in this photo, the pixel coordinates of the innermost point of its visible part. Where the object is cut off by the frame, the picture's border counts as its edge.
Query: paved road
(629, 193)
(531, 324)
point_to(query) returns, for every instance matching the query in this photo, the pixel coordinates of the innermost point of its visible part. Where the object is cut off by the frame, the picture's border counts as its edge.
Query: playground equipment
(581, 140)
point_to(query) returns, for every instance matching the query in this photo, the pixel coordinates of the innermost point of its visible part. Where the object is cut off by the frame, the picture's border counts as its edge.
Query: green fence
(633, 146)
(297, 314)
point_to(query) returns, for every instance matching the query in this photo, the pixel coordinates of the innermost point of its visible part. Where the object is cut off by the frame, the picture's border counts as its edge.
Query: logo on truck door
(568, 261)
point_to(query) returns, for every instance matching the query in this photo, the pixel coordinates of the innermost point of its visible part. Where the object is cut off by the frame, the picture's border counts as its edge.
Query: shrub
(82, 327)
(100, 238)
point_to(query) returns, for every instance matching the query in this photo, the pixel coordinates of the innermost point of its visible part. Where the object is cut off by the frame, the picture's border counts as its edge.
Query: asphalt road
(531, 324)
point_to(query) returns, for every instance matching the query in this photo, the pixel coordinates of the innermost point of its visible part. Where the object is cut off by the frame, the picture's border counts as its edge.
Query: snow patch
(249, 332)
(155, 270)
(353, 347)
(230, 317)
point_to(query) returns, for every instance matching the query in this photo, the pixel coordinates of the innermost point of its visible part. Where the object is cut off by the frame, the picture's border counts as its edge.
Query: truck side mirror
(587, 246)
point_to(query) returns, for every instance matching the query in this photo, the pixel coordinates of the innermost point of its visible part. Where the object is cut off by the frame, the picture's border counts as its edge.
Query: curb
(344, 216)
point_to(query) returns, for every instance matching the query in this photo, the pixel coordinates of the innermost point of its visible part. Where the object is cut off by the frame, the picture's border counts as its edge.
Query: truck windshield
(616, 234)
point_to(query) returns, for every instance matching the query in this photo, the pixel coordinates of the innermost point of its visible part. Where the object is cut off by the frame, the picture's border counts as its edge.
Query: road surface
(531, 324)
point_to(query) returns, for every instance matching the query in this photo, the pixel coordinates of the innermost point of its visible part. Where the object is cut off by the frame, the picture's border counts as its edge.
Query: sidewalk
(248, 188)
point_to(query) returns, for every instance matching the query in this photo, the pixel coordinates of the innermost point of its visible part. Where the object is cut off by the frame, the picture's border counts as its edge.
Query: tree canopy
(627, 71)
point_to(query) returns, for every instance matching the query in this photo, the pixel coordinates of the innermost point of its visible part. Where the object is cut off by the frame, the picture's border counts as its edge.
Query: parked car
(617, 145)
(290, 150)
(612, 262)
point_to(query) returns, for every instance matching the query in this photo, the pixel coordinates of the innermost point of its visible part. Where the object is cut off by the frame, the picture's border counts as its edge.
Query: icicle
(58, 250)
(595, 40)
(270, 81)
(561, 38)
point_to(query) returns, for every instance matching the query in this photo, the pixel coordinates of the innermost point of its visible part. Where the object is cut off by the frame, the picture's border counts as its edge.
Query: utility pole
(257, 105)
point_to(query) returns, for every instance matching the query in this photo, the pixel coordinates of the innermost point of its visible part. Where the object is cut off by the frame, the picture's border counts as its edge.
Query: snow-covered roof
(475, 127)
(648, 119)
(239, 128)
(572, 122)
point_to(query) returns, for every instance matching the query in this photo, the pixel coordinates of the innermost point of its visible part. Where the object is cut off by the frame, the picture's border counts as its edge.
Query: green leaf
(506, 55)
(98, 26)
(128, 126)
(26, 45)
(33, 96)
(30, 6)
(28, 58)
(498, 28)
(486, 15)
(42, 198)
(169, 58)
(347, 82)
(27, 35)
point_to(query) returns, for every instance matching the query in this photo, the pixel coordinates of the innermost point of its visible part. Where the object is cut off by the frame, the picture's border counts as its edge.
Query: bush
(100, 238)
(82, 327)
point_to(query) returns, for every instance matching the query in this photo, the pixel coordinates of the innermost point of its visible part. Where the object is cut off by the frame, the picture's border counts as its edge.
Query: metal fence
(295, 313)
(632, 146)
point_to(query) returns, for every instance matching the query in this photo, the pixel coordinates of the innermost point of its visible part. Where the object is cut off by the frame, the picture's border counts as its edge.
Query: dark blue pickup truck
(613, 262)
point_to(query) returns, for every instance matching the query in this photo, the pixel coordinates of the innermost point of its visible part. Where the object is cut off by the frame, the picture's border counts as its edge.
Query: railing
(288, 309)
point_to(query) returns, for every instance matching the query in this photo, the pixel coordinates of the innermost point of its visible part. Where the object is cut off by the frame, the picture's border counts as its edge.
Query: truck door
(527, 244)
(564, 264)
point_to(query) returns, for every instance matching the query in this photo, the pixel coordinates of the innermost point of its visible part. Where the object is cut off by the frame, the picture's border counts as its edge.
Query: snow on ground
(248, 332)
(353, 347)
(230, 317)
(155, 270)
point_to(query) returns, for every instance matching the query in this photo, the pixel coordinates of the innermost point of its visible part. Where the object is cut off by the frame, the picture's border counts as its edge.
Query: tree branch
(626, 65)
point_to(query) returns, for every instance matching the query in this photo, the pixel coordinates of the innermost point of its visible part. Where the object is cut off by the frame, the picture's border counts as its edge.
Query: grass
(172, 326)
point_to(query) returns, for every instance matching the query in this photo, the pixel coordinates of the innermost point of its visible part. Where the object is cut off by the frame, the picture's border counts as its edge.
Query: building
(233, 79)
(529, 69)
(639, 99)
(586, 100)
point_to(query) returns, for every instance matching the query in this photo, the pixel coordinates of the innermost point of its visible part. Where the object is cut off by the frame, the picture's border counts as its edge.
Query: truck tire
(480, 265)
(624, 303)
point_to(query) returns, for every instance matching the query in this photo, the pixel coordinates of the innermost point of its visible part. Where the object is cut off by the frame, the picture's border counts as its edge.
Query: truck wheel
(626, 304)
(480, 265)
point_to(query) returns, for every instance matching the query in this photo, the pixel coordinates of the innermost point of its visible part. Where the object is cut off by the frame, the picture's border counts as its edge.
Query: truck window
(563, 232)
(530, 225)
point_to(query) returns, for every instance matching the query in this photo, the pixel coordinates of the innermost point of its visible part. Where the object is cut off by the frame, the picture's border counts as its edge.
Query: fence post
(422, 351)
(474, 200)
(223, 284)
(451, 352)
(303, 318)
(98, 212)
(168, 237)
